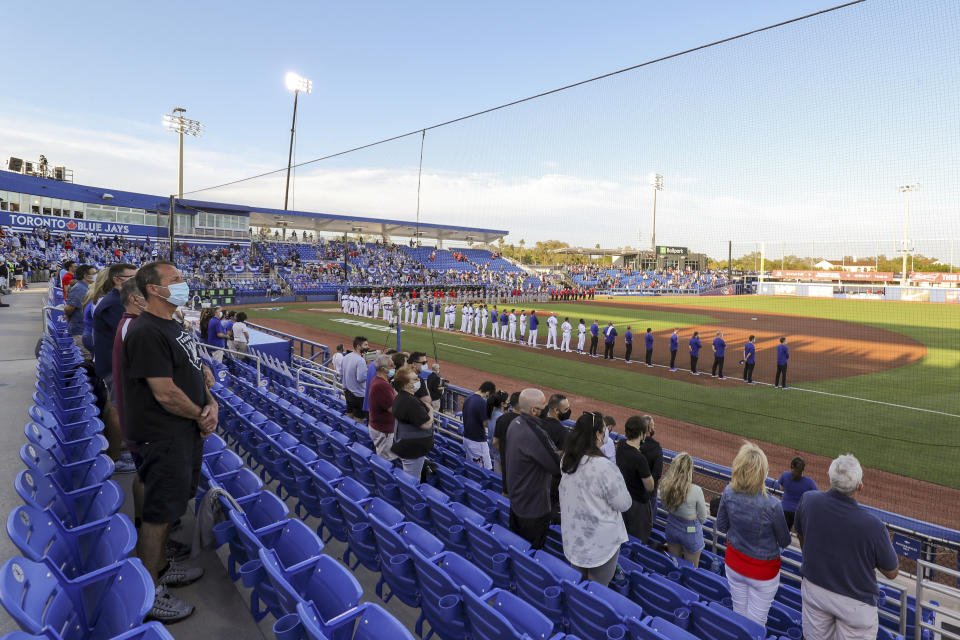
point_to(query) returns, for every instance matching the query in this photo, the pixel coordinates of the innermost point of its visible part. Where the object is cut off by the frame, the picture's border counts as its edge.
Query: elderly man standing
(533, 464)
(354, 374)
(843, 545)
(382, 423)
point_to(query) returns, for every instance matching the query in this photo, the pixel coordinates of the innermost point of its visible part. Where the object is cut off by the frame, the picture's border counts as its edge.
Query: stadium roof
(259, 216)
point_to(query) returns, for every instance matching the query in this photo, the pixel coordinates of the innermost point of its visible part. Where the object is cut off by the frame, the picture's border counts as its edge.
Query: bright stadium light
(656, 181)
(181, 126)
(907, 189)
(298, 84)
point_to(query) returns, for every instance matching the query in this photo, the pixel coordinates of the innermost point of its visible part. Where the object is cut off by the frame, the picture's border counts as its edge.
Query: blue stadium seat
(489, 550)
(67, 477)
(591, 609)
(81, 507)
(366, 622)
(538, 576)
(326, 583)
(440, 579)
(713, 621)
(96, 606)
(660, 596)
(360, 536)
(413, 502)
(449, 518)
(709, 585)
(396, 566)
(499, 614)
(385, 477)
(39, 536)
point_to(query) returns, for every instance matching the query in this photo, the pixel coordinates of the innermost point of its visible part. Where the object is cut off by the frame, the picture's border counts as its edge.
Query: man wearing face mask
(475, 444)
(419, 360)
(168, 410)
(552, 416)
(382, 423)
(532, 464)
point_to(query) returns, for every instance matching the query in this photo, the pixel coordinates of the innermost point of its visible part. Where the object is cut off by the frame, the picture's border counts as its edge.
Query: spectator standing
(749, 359)
(653, 452)
(168, 411)
(636, 474)
(216, 336)
(593, 496)
(594, 336)
(66, 276)
(418, 359)
(628, 342)
(101, 287)
(686, 509)
(381, 396)
(756, 532)
(608, 447)
(794, 485)
(337, 360)
(475, 426)
(648, 346)
(355, 378)
(435, 387)
(552, 417)
(73, 306)
(783, 356)
(500, 434)
(843, 545)
(674, 347)
(241, 335)
(106, 317)
(531, 463)
(414, 435)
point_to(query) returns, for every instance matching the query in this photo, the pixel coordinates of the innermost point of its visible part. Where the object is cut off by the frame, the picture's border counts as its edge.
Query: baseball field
(879, 379)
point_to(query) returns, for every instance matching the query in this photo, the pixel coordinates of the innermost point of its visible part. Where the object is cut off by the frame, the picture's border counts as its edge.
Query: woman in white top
(686, 509)
(241, 337)
(592, 497)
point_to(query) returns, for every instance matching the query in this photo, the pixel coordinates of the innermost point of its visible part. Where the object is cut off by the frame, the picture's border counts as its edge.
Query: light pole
(296, 84)
(656, 181)
(180, 125)
(907, 189)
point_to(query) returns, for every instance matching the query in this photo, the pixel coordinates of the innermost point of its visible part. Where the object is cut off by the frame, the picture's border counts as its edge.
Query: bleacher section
(661, 281)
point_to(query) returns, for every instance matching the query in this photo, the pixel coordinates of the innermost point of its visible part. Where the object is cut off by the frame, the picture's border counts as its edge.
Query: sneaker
(673, 368)
(178, 575)
(124, 466)
(168, 608)
(649, 365)
(178, 550)
(723, 378)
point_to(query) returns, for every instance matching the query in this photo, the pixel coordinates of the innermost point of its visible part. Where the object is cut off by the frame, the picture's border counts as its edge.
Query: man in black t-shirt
(168, 411)
(551, 419)
(638, 478)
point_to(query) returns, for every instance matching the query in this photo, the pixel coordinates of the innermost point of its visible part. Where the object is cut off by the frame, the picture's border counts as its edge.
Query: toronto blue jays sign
(27, 221)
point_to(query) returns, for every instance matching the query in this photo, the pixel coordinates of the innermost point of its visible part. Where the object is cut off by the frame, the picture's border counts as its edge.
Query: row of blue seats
(365, 519)
(785, 614)
(74, 580)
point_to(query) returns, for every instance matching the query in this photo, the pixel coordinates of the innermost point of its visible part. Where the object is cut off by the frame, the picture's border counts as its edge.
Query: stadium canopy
(335, 223)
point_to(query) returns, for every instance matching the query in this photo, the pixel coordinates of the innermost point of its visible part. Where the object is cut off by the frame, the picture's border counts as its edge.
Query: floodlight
(295, 82)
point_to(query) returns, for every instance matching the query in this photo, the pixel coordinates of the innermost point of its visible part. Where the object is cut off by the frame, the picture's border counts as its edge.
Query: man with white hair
(843, 545)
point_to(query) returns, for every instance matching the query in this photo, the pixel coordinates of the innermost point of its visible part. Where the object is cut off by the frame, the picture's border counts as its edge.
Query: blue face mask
(391, 372)
(179, 294)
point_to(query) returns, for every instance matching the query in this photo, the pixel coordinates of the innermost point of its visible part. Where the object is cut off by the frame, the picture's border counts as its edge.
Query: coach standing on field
(719, 353)
(168, 411)
(694, 352)
(749, 360)
(609, 339)
(783, 355)
(648, 345)
(674, 347)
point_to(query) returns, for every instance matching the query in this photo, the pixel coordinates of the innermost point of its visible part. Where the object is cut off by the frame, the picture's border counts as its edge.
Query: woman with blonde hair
(756, 531)
(686, 509)
(101, 286)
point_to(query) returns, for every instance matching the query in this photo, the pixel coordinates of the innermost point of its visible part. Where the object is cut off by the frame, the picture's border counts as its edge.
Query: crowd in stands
(603, 491)
(622, 278)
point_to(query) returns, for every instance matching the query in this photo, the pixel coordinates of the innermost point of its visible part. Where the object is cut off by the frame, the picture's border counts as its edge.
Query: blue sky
(798, 135)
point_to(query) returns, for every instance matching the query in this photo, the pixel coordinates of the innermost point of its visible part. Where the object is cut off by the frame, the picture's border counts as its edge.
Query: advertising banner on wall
(915, 295)
(934, 277)
(784, 289)
(28, 221)
(855, 276)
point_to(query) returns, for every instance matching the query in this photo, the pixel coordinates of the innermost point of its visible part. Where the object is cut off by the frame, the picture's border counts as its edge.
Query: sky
(796, 138)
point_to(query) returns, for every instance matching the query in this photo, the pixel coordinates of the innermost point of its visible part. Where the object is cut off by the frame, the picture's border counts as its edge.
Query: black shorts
(170, 472)
(354, 404)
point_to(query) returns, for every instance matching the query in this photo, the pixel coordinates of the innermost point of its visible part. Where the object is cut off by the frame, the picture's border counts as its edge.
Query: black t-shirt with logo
(158, 348)
(634, 468)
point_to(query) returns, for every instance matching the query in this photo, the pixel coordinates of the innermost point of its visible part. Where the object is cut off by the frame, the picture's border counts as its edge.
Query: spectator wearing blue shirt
(475, 419)
(694, 352)
(73, 307)
(794, 485)
(648, 344)
(674, 347)
(628, 340)
(609, 339)
(719, 351)
(843, 545)
(783, 355)
(749, 359)
(534, 324)
(594, 334)
(216, 336)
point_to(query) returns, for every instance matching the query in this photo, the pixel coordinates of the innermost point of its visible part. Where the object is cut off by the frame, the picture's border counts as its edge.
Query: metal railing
(925, 584)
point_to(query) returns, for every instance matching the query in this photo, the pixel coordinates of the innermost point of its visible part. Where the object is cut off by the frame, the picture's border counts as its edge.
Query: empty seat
(656, 628)
(716, 622)
(591, 609)
(440, 579)
(73, 509)
(538, 576)
(326, 583)
(489, 546)
(660, 596)
(396, 566)
(500, 614)
(39, 536)
(96, 606)
(368, 621)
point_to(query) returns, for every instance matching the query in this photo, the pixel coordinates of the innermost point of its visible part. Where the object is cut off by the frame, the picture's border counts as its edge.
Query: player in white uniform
(484, 318)
(552, 332)
(565, 330)
(581, 336)
(523, 323)
(420, 312)
(513, 326)
(480, 318)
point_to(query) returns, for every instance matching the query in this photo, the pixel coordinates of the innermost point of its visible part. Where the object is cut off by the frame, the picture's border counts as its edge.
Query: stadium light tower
(296, 84)
(907, 189)
(181, 126)
(656, 181)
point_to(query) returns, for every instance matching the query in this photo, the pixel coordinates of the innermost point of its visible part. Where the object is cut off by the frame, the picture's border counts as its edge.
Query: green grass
(900, 440)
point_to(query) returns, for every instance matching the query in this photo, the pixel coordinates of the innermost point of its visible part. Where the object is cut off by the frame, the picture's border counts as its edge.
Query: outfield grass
(900, 440)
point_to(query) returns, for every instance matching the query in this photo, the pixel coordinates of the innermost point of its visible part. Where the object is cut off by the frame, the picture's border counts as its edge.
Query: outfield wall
(860, 292)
